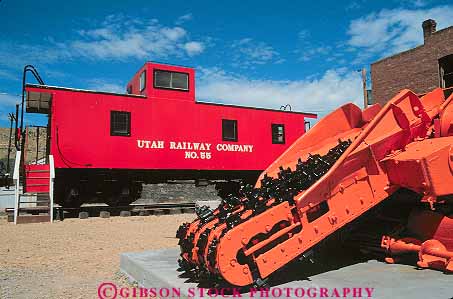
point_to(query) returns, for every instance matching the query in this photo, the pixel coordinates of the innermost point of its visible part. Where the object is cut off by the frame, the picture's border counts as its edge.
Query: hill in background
(31, 145)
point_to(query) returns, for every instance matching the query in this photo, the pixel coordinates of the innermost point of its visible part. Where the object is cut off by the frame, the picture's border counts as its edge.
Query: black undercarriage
(74, 187)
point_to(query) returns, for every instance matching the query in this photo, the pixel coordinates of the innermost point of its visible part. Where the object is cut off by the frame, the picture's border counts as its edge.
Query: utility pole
(11, 118)
(365, 94)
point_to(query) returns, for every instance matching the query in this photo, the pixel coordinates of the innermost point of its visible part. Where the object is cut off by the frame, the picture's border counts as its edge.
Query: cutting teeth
(205, 234)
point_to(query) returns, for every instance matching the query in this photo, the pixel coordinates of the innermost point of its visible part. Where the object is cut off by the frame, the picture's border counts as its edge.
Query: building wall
(416, 69)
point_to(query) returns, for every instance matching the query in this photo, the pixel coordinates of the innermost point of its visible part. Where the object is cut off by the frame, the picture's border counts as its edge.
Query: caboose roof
(310, 115)
(85, 90)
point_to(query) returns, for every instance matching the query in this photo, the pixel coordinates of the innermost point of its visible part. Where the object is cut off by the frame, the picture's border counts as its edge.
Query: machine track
(236, 210)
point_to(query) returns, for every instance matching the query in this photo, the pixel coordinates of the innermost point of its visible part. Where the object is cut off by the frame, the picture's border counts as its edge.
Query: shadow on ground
(297, 270)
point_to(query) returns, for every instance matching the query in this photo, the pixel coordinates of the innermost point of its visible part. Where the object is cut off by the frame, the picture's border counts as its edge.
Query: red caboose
(106, 145)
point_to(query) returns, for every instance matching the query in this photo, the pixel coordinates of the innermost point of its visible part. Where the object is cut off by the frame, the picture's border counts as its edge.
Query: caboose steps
(32, 208)
(35, 203)
(37, 177)
(37, 188)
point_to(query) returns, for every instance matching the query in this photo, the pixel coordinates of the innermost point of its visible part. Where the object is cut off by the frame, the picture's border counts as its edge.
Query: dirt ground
(69, 259)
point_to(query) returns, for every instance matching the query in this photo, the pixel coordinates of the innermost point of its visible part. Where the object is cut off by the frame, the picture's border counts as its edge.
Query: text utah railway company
(194, 150)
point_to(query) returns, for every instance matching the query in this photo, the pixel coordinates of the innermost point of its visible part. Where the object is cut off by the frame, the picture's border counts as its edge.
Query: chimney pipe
(429, 27)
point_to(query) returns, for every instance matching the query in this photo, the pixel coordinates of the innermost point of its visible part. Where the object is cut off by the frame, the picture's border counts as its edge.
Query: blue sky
(260, 53)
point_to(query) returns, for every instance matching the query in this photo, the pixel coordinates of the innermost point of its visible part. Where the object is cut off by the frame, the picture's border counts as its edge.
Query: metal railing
(16, 178)
(51, 181)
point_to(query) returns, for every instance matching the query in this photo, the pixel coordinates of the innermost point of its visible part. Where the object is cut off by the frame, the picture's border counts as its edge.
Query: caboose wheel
(122, 197)
(72, 198)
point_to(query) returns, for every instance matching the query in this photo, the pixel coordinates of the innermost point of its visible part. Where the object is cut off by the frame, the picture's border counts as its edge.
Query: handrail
(16, 166)
(17, 185)
(28, 68)
(51, 181)
(52, 167)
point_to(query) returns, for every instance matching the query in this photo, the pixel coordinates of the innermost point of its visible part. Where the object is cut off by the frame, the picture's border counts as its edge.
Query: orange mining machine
(379, 180)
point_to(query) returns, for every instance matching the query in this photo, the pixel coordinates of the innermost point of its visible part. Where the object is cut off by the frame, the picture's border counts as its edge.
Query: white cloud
(354, 5)
(309, 53)
(184, 18)
(321, 95)
(8, 103)
(414, 3)
(193, 48)
(116, 38)
(248, 52)
(15, 55)
(104, 85)
(419, 3)
(308, 49)
(120, 38)
(9, 75)
(391, 31)
(303, 34)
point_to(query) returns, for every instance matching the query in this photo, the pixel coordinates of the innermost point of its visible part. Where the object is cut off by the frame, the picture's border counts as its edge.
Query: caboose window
(142, 81)
(171, 80)
(278, 134)
(229, 130)
(120, 123)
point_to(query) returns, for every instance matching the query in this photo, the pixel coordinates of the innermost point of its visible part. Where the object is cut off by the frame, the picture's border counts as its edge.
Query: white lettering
(193, 147)
(150, 144)
(221, 147)
(185, 145)
(192, 155)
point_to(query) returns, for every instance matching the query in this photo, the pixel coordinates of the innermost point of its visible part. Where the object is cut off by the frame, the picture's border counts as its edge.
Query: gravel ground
(70, 259)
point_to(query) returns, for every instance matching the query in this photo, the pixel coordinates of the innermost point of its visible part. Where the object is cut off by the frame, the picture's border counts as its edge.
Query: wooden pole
(37, 144)
(11, 119)
(365, 95)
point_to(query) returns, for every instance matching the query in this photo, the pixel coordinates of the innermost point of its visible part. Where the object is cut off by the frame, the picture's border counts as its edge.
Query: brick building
(420, 69)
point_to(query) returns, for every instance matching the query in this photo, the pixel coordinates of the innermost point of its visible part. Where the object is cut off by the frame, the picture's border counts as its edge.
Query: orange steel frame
(405, 144)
